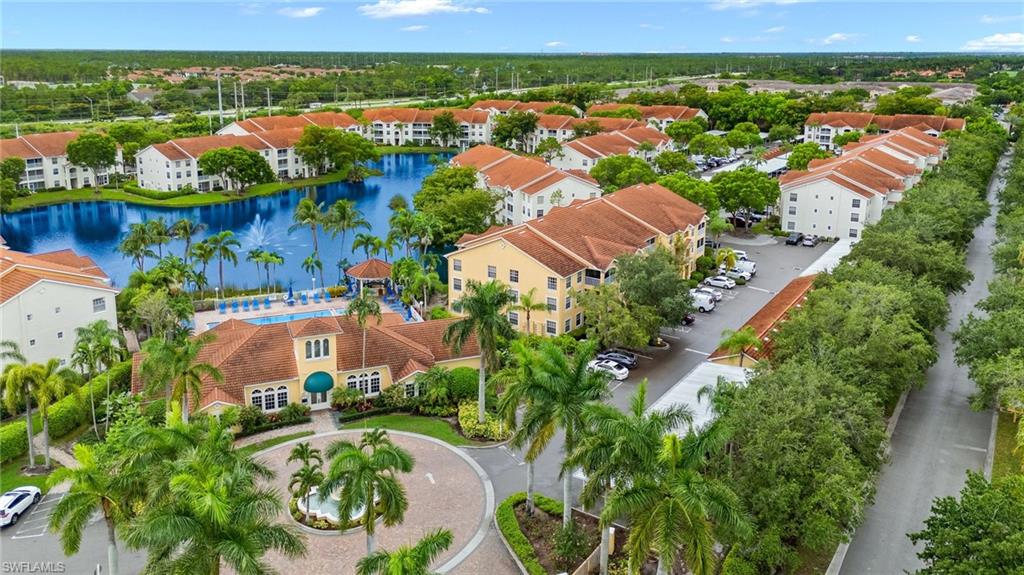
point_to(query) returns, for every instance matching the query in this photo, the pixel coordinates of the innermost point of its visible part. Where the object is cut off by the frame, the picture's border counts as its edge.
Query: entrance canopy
(318, 382)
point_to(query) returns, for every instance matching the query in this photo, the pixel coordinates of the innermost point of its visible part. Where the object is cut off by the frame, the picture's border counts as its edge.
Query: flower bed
(533, 538)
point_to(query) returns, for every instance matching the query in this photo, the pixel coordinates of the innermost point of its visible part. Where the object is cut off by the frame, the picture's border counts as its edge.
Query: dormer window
(318, 348)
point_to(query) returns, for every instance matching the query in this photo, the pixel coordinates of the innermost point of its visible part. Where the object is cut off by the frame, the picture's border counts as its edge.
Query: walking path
(937, 439)
(321, 423)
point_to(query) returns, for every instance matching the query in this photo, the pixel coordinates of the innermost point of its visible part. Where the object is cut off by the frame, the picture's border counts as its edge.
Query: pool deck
(203, 318)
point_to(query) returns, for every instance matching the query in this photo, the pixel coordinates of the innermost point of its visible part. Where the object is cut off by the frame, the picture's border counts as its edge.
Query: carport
(685, 391)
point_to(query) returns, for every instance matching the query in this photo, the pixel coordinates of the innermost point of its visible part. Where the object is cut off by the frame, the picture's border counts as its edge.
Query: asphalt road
(937, 439)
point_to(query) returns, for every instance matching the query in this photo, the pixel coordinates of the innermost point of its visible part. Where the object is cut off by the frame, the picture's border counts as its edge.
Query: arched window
(282, 396)
(327, 347)
(316, 348)
(364, 383)
(351, 381)
(257, 399)
(375, 382)
(268, 399)
(309, 349)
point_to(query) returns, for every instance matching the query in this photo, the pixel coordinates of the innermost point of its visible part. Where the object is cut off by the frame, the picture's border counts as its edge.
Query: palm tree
(366, 475)
(735, 341)
(403, 228)
(173, 366)
(617, 445)
(135, 245)
(314, 267)
(364, 307)
(185, 229)
(406, 560)
(201, 252)
(268, 259)
(725, 256)
(398, 203)
(426, 283)
(255, 256)
(159, 234)
(305, 453)
(368, 243)
(9, 351)
(303, 481)
(342, 217)
(672, 506)
(529, 302)
(54, 383)
(425, 227)
(101, 345)
(20, 383)
(96, 486)
(483, 316)
(556, 397)
(84, 357)
(308, 214)
(386, 246)
(223, 246)
(512, 379)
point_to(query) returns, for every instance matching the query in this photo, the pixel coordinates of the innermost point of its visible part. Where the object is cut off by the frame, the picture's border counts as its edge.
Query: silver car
(720, 282)
(715, 294)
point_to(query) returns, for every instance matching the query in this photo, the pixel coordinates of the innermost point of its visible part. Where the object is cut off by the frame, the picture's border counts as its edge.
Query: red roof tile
(371, 269)
(771, 315)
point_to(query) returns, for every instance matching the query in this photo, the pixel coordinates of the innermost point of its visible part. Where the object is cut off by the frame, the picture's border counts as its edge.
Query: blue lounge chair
(303, 298)
(290, 302)
(234, 306)
(316, 297)
(245, 305)
(223, 307)
(255, 304)
(327, 296)
(266, 303)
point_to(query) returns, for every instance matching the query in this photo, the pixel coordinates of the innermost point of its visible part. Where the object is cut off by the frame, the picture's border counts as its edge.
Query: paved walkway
(322, 423)
(937, 438)
(749, 240)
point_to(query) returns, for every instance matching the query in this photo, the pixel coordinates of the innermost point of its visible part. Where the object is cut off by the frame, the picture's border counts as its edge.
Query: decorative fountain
(327, 508)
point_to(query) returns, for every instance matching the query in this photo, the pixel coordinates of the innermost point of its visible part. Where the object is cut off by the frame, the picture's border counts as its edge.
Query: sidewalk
(321, 423)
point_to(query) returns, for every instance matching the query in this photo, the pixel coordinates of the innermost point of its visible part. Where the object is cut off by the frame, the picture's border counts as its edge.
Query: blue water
(283, 318)
(95, 229)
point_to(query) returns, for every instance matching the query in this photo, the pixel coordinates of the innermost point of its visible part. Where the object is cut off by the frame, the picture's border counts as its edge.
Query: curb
(488, 513)
(508, 548)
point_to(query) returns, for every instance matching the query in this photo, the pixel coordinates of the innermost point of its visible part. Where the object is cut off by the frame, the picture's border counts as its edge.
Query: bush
(735, 564)
(293, 412)
(337, 291)
(465, 381)
(133, 188)
(272, 426)
(251, 417)
(705, 264)
(156, 412)
(505, 517)
(741, 282)
(343, 398)
(570, 546)
(697, 277)
(348, 417)
(13, 440)
(438, 410)
(492, 428)
(440, 313)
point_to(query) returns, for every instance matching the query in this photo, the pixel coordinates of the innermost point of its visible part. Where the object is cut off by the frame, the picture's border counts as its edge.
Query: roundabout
(445, 489)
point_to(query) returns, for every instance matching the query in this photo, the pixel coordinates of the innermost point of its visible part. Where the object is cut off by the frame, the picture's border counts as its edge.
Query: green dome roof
(318, 382)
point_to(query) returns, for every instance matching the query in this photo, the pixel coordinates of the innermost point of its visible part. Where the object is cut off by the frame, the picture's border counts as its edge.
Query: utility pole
(243, 100)
(270, 104)
(220, 102)
(234, 89)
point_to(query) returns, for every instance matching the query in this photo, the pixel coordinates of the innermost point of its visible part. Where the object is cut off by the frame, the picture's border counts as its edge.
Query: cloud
(414, 28)
(913, 38)
(554, 44)
(834, 38)
(727, 39)
(1008, 42)
(775, 30)
(652, 27)
(308, 12)
(405, 8)
(986, 19)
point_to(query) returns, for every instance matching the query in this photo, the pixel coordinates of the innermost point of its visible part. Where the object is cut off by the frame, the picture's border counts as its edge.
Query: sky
(520, 26)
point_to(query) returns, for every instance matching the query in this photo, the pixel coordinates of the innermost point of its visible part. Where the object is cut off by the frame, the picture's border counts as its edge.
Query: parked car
(740, 254)
(720, 282)
(689, 319)
(737, 273)
(794, 239)
(610, 367)
(715, 294)
(620, 356)
(747, 266)
(703, 302)
(811, 241)
(16, 502)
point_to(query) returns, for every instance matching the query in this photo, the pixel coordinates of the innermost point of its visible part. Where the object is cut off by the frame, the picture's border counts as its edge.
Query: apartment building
(270, 366)
(563, 128)
(175, 164)
(259, 124)
(47, 165)
(659, 117)
(502, 107)
(584, 153)
(529, 188)
(46, 297)
(822, 127)
(401, 126)
(575, 247)
(839, 196)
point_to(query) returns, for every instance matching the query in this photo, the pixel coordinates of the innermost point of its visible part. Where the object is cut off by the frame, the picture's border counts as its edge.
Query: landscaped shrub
(292, 412)
(465, 381)
(438, 410)
(697, 277)
(440, 313)
(120, 377)
(570, 546)
(394, 397)
(156, 412)
(272, 425)
(343, 398)
(735, 564)
(13, 441)
(493, 428)
(337, 291)
(505, 517)
(250, 417)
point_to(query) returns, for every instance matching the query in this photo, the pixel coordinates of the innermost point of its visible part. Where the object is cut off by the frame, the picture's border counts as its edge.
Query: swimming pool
(286, 317)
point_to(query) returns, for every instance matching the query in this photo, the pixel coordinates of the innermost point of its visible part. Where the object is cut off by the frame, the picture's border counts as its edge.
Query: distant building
(402, 126)
(502, 107)
(584, 153)
(659, 117)
(44, 298)
(563, 128)
(257, 124)
(47, 165)
(822, 127)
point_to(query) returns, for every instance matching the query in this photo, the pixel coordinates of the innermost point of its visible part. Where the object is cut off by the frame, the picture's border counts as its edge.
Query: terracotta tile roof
(313, 326)
(412, 366)
(170, 151)
(503, 169)
(331, 119)
(509, 105)
(860, 121)
(548, 253)
(658, 206)
(583, 176)
(17, 148)
(612, 124)
(418, 116)
(617, 142)
(480, 156)
(774, 153)
(771, 315)
(370, 269)
(857, 120)
(19, 271)
(280, 139)
(36, 145)
(430, 334)
(195, 147)
(556, 122)
(70, 259)
(650, 112)
(324, 119)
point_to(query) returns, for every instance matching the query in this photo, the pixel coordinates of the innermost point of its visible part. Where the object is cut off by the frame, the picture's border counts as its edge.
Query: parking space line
(642, 355)
(670, 336)
(759, 289)
(616, 386)
(697, 351)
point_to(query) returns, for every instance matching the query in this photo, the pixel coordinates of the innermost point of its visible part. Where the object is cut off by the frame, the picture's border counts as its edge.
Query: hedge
(493, 428)
(347, 417)
(156, 194)
(505, 517)
(13, 440)
(465, 384)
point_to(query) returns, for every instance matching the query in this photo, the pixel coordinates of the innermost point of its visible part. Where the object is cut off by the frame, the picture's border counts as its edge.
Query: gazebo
(371, 272)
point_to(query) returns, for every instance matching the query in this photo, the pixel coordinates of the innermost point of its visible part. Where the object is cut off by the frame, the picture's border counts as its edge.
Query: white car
(610, 367)
(713, 293)
(736, 273)
(720, 282)
(16, 502)
(740, 254)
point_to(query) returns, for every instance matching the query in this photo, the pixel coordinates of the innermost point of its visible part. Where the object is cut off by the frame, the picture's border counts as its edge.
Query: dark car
(620, 356)
(794, 239)
(689, 319)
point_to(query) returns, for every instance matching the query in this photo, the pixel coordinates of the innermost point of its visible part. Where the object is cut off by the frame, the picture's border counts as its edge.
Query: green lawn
(1006, 462)
(267, 443)
(429, 426)
(11, 477)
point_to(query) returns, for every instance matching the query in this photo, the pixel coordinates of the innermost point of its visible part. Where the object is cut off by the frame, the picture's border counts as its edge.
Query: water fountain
(328, 507)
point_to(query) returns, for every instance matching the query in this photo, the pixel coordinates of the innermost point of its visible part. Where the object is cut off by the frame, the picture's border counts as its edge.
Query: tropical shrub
(343, 398)
(292, 412)
(505, 517)
(493, 428)
(394, 398)
(250, 417)
(440, 313)
(465, 381)
(13, 440)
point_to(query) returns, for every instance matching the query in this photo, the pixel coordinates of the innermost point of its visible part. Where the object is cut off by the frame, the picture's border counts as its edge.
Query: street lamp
(92, 115)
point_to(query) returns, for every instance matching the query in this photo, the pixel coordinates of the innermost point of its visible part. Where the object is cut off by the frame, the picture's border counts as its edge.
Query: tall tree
(617, 172)
(528, 303)
(737, 341)
(363, 307)
(303, 481)
(407, 560)
(445, 128)
(314, 267)
(94, 151)
(343, 216)
(367, 242)
(512, 129)
(802, 154)
(20, 384)
(175, 367)
(54, 383)
(223, 245)
(158, 234)
(239, 167)
(185, 230)
(309, 214)
(483, 315)
(203, 253)
(102, 345)
(366, 475)
(136, 245)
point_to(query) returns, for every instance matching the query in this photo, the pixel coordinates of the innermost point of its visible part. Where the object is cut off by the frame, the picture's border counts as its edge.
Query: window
(568, 282)
(53, 161)
(791, 226)
(856, 202)
(60, 335)
(327, 347)
(579, 277)
(257, 399)
(853, 232)
(457, 265)
(513, 276)
(410, 389)
(552, 282)
(551, 327)
(568, 325)
(792, 196)
(552, 304)
(375, 382)
(268, 399)
(31, 343)
(351, 382)
(515, 294)
(792, 210)
(28, 317)
(579, 319)
(282, 396)
(56, 171)
(568, 302)
(492, 272)
(513, 317)
(854, 217)
(316, 348)
(540, 213)
(309, 349)
(456, 284)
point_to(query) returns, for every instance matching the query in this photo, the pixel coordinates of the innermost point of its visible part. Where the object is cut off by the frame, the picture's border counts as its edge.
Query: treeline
(808, 431)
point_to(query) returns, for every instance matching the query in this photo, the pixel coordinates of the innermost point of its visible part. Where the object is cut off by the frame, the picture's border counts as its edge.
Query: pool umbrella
(291, 295)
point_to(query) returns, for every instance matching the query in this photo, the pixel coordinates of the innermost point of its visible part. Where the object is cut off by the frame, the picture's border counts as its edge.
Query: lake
(95, 229)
